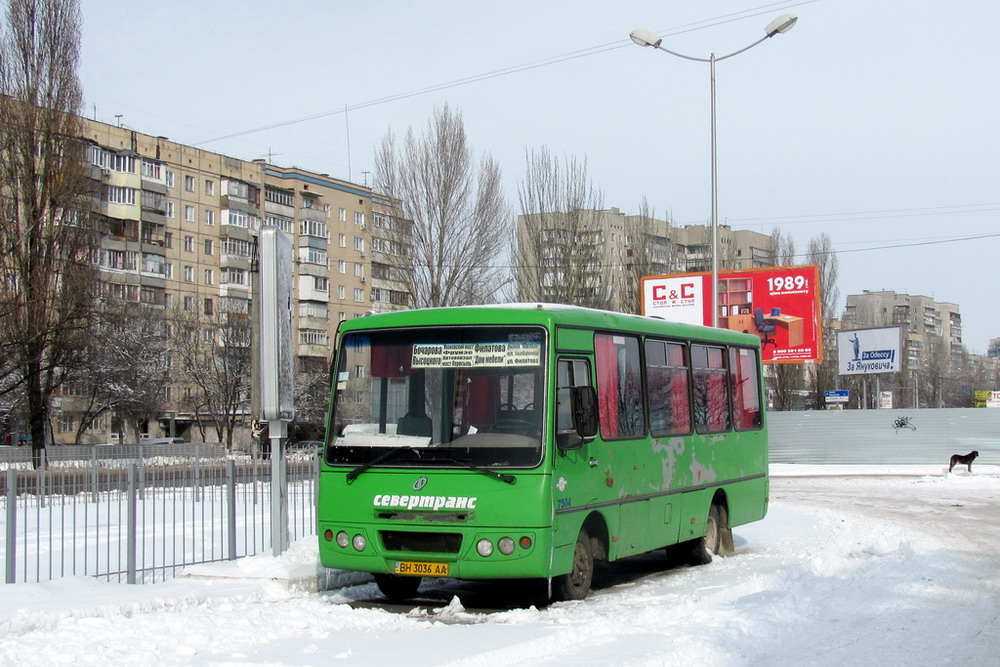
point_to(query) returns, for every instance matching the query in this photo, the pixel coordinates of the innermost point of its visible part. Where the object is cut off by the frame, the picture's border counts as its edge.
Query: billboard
(869, 351)
(779, 304)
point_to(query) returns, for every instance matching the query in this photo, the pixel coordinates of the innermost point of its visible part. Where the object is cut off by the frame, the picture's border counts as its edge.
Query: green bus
(531, 440)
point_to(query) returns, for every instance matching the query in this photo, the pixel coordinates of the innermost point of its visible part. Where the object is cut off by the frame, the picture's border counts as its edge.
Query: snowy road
(863, 570)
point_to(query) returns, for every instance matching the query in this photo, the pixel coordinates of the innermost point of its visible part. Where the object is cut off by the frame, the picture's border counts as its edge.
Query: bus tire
(703, 548)
(575, 584)
(397, 588)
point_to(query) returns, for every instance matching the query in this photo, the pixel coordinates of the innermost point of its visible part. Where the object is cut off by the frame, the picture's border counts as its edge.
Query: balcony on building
(239, 194)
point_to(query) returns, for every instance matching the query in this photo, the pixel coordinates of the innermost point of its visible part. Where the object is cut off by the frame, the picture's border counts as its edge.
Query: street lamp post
(780, 25)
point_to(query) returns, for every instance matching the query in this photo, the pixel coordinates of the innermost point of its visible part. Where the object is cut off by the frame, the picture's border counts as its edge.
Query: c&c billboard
(779, 304)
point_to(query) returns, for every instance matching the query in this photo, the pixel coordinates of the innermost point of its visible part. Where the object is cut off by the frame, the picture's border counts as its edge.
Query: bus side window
(711, 391)
(569, 373)
(667, 384)
(745, 383)
(619, 386)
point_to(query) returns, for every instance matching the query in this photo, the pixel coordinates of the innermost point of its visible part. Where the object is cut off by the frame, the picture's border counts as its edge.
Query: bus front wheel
(397, 588)
(575, 584)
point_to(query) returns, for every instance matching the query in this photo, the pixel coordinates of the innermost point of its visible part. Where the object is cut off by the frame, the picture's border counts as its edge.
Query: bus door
(579, 478)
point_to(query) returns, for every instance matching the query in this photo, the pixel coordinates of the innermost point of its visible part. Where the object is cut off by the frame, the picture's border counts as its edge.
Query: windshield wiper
(392, 453)
(510, 479)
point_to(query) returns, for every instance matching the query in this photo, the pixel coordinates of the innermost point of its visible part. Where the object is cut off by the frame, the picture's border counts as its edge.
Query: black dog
(958, 459)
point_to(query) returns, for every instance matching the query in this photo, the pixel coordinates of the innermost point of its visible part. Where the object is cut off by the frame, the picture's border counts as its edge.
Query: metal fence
(139, 514)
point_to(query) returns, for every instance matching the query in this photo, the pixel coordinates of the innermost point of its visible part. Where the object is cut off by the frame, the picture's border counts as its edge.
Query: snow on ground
(870, 566)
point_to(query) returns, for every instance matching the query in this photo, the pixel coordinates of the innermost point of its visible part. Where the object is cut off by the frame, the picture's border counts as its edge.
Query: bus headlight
(484, 548)
(359, 542)
(506, 546)
(343, 540)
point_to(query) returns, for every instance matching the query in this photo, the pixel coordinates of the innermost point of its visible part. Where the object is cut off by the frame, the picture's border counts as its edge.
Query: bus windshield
(442, 397)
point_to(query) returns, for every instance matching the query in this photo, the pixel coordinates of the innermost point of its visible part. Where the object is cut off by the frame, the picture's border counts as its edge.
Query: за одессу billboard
(778, 304)
(868, 351)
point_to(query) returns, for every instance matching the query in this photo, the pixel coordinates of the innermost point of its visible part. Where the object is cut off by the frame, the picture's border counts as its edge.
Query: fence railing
(141, 518)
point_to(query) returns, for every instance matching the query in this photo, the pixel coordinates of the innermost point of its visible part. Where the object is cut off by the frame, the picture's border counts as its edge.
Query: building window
(169, 178)
(189, 183)
(208, 246)
(359, 218)
(359, 294)
(207, 336)
(188, 275)
(189, 213)
(123, 163)
(168, 209)
(151, 170)
(232, 276)
(278, 196)
(321, 284)
(313, 256)
(237, 247)
(209, 187)
(359, 244)
(168, 270)
(313, 228)
(359, 269)
(119, 195)
(188, 303)
(209, 276)
(209, 217)
(188, 244)
(312, 337)
(342, 215)
(342, 240)
(65, 423)
(284, 224)
(341, 291)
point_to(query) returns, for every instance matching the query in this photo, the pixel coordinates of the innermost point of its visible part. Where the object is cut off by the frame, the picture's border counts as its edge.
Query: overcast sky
(873, 121)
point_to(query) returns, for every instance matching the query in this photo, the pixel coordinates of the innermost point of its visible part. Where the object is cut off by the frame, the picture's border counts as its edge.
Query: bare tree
(824, 375)
(216, 359)
(45, 235)
(647, 251)
(560, 255)
(125, 367)
(461, 222)
(311, 394)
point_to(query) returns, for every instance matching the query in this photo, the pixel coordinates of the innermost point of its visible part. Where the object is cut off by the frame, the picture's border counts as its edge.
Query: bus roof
(549, 315)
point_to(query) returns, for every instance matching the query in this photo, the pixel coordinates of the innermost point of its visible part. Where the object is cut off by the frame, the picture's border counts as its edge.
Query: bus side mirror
(583, 405)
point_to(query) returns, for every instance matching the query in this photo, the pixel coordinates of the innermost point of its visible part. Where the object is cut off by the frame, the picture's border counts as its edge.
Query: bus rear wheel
(575, 584)
(397, 588)
(703, 548)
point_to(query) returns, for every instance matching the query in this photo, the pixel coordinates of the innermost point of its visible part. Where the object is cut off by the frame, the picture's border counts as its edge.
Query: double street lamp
(780, 25)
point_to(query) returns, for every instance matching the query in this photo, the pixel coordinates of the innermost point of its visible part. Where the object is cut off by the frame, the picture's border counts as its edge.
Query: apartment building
(738, 248)
(179, 230)
(615, 243)
(928, 326)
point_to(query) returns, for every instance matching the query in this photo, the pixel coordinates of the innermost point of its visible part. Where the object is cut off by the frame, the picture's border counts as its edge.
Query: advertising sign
(778, 304)
(869, 351)
(987, 399)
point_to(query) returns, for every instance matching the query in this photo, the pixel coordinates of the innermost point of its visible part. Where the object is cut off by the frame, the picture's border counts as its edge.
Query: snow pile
(866, 569)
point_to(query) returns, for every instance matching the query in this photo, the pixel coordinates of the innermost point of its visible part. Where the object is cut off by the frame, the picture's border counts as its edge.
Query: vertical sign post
(276, 379)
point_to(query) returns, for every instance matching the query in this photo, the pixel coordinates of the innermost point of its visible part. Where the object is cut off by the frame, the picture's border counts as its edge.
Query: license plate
(421, 569)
